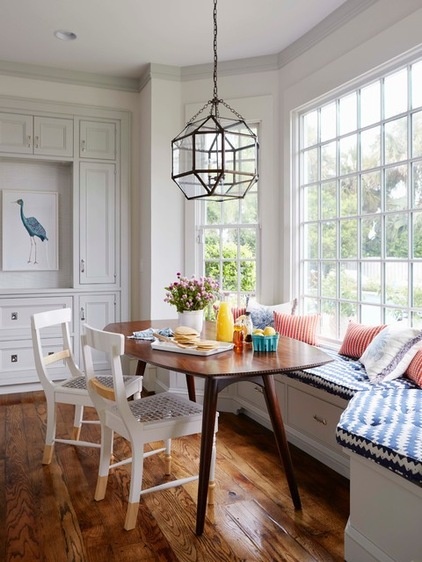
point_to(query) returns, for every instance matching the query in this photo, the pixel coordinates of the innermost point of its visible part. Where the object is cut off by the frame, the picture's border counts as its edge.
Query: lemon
(269, 331)
(258, 332)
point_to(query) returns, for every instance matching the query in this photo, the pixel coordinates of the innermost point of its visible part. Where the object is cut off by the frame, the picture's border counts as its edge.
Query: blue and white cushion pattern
(385, 425)
(343, 376)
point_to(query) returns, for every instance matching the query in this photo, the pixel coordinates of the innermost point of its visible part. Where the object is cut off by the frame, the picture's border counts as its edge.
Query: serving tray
(169, 346)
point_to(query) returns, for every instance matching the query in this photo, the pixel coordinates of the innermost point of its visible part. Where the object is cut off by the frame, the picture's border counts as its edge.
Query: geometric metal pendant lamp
(215, 157)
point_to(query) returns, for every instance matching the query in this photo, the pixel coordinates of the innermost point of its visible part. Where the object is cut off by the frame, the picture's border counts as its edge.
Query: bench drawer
(254, 394)
(313, 416)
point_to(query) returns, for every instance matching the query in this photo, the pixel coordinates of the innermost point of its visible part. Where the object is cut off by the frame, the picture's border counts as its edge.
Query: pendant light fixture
(215, 157)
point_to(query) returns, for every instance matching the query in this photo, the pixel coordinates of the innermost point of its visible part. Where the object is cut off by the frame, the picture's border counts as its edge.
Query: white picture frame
(34, 247)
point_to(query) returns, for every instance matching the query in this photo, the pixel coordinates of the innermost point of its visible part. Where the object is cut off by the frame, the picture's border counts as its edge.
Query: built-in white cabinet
(27, 134)
(97, 140)
(81, 156)
(97, 223)
(16, 355)
(96, 310)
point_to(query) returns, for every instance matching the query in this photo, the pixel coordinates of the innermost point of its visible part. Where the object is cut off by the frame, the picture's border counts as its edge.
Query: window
(360, 204)
(228, 237)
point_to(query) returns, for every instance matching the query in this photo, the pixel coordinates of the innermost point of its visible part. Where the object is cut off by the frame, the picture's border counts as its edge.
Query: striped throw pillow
(414, 370)
(301, 328)
(357, 338)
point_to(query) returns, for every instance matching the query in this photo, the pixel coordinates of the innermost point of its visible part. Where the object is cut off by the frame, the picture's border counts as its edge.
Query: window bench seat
(381, 431)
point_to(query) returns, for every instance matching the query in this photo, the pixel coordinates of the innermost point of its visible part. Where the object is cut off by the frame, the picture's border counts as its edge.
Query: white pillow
(391, 352)
(262, 315)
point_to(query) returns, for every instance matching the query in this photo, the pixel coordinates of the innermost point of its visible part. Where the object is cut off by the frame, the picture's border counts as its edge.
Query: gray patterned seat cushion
(385, 425)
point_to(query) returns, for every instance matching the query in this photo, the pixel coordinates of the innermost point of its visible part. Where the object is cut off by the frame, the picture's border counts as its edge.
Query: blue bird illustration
(34, 228)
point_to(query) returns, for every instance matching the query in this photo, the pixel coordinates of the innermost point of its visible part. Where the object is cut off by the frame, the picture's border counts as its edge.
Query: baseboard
(358, 548)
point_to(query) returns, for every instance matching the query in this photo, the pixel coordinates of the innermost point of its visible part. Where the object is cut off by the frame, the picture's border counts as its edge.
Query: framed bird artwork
(29, 230)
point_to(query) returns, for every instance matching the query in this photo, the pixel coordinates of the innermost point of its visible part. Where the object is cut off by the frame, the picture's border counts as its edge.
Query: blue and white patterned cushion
(342, 377)
(384, 424)
(262, 315)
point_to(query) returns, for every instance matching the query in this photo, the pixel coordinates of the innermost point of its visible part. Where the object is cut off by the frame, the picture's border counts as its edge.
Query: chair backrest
(43, 357)
(113, 346)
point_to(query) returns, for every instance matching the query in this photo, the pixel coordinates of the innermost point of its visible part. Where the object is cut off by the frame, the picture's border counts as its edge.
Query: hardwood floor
(47, 513)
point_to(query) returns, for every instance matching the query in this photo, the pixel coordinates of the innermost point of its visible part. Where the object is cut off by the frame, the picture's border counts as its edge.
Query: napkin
(148, 334)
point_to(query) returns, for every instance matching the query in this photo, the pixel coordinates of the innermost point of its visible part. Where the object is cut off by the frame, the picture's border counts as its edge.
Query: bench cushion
(343, 377)
(384, 424)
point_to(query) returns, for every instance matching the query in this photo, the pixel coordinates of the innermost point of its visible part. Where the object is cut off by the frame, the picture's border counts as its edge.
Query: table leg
(140, 368)
(190, 382)
(280, 437)
(207, 438)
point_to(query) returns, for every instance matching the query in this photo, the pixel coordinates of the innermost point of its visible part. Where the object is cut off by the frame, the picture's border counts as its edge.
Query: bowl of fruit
(265, 339)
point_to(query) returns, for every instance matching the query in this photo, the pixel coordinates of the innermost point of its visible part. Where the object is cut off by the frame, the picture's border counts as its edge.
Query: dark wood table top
(290, 355)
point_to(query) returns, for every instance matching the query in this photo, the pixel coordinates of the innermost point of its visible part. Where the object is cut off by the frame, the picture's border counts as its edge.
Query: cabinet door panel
(97, 140)
(97, 311)
(53, 137)
(16, 132)
(97, 223)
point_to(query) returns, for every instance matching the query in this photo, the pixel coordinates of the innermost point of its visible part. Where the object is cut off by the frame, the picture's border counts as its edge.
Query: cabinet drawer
(313, 416)
(15, 315)
(254, 394)
(17, 364)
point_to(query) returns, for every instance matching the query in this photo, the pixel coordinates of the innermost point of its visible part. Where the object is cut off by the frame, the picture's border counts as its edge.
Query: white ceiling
(119, 37)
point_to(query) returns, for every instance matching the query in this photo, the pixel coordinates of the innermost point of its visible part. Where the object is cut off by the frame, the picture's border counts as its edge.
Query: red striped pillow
(301, 328)
(238, 312)
(414, 370)
(357, 339)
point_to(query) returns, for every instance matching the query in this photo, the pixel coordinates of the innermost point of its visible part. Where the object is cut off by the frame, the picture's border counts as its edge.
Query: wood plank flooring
(47, 513)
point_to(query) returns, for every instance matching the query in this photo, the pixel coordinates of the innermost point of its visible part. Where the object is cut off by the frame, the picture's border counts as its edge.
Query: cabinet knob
(36, 142)
(83, 314)
(82, 266)
(28, 141)
(83, 146)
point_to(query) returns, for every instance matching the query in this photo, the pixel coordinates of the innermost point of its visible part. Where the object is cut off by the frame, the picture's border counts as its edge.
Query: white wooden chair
(72, 390)
(160, 417)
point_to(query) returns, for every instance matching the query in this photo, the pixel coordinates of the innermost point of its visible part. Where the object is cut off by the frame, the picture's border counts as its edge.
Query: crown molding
(69, 76)
(337, 19)
(346, 12)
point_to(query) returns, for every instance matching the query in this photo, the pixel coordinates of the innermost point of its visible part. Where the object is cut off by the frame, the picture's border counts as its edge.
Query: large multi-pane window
(228, 236)
(360, 204)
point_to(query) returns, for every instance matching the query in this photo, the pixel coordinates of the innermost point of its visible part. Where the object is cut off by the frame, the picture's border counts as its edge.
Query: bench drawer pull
(320, 420)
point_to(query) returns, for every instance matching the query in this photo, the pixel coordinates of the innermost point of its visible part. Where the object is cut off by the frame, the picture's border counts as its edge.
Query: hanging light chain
(215, 91)
(215, 100)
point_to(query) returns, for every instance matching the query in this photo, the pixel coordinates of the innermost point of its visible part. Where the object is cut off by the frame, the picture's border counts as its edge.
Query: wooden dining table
(219, 371)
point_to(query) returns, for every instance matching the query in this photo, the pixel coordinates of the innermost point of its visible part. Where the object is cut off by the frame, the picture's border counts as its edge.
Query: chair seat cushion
(385, 425)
